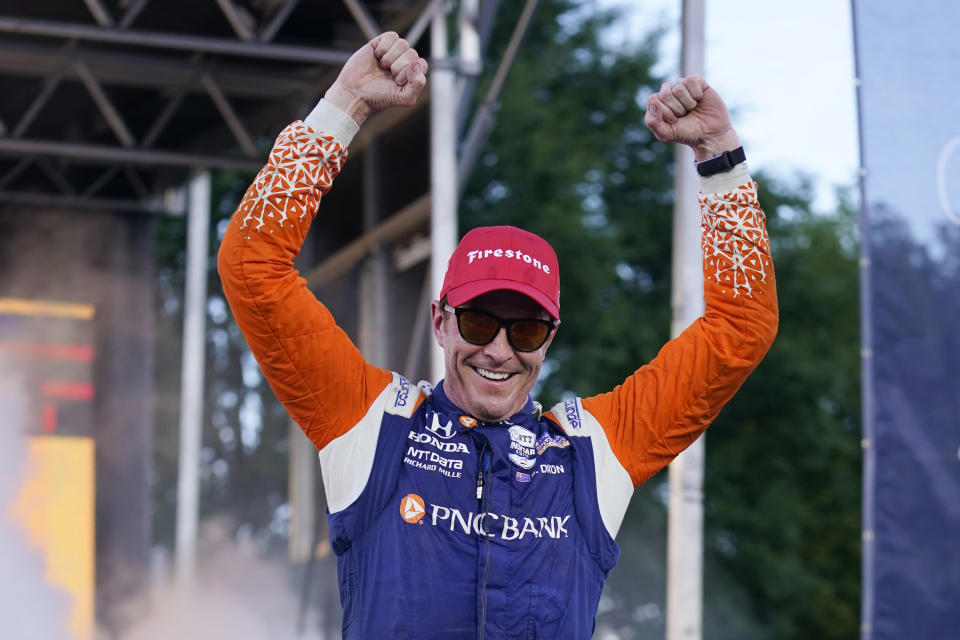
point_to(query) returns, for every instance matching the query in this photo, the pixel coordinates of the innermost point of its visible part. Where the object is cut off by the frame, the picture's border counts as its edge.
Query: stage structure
(111, 113)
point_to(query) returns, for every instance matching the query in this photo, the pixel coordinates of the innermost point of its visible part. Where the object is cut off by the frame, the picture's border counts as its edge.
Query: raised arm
(664, 406)
(310, 363)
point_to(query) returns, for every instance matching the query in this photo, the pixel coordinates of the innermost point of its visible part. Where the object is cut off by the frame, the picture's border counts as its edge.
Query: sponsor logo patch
(573, 413)
(412, 508)
(403, 394)
(553, 469)
(522, 436)
(546, 441)
(468, 421)
(444, 431)
(434, 462)
(514, 254)
(520, 461)
(491, 525)
(528, 452)
(440, 445)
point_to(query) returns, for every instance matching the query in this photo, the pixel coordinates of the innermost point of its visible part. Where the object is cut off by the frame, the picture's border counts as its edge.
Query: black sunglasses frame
(506, 323)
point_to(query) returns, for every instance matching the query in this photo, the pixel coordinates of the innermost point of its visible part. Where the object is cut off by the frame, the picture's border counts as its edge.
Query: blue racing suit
(445, 526)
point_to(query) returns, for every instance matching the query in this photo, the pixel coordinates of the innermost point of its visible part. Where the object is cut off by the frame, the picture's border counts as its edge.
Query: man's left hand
(688, 111)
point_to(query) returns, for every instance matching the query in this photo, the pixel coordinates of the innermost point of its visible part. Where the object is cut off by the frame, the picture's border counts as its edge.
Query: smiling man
(464, 510)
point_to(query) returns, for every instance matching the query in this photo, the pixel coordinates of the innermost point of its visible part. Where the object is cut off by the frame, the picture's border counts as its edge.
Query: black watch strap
(723, 162)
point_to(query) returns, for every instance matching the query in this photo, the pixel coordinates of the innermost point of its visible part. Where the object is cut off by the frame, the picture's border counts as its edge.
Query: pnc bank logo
(412, 508)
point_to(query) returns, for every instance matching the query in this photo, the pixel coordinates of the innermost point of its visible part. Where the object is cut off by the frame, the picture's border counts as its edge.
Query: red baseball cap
(491, 258)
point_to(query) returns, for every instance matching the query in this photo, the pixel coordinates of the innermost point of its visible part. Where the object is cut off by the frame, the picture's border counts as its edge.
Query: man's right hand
(386, 72)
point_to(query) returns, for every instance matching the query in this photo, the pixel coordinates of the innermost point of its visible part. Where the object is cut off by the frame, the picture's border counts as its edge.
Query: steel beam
(484, 120)
(100, 13)
(468, 85)
(131, 13)
(56, 177)
(407, 221)
(421, 329)
(420, 25)
(373, 331)
(49, 86)
(163, 118)
(84, 202)
(155, 39)
(685, 517)
(133, 178)
(443, 166)
(98, 154)
(368, 25)
(278, 20)
(109, 112)
(15, 171)
(229, 115)
(162, 72)
(192, 380)
(239, 21)
(99, 182)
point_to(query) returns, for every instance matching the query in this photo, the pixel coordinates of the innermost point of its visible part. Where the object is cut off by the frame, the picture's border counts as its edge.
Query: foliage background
(571, 160)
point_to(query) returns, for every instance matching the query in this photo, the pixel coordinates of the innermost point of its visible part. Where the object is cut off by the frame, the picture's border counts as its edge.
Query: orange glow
(52, 351)
(56, 510)
(20, 306)
(67, 390)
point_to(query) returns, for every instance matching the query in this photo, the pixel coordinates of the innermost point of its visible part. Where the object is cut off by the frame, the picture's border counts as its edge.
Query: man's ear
(553, 334)
(436, 319)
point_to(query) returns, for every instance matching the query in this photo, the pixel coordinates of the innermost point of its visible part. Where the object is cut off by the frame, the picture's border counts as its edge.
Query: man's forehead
(507, 302)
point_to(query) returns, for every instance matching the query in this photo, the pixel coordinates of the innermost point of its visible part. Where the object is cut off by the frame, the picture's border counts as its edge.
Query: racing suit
(446, 526)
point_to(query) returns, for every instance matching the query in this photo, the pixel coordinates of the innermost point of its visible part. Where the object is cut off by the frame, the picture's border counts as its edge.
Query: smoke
(30, 608)
(237, 595)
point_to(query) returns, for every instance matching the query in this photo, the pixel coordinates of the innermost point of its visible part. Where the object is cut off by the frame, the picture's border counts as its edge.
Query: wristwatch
(723, 162)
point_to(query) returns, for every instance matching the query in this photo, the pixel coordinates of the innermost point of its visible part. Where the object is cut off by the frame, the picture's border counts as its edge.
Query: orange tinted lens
(478, 328)
(528, 335)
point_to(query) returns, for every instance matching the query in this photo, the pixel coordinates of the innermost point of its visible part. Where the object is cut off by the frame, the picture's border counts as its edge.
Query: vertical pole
(301, 475)
(685, 523)
(303, 462)
(867, 399)
(192, 378)
(374, 333)
(443, 166)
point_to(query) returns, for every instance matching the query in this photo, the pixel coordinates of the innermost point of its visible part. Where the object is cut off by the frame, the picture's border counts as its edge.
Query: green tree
(571, 160)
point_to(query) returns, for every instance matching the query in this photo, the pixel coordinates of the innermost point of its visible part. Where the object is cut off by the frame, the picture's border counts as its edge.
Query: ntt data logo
(412, 508)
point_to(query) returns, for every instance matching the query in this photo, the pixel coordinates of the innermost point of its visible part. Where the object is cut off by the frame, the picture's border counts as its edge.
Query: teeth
(492, 375)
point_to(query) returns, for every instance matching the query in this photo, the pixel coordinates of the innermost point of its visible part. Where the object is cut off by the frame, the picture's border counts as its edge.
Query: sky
(786, 72)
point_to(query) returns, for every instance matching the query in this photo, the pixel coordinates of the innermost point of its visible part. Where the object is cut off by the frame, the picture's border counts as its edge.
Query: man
(464, 511)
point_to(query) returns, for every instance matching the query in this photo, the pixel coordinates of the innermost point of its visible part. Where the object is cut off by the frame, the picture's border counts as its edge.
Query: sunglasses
(479, 328)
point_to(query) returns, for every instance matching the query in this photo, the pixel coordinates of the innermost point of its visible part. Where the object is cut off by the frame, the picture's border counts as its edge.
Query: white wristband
(726, 181)
(328, 119)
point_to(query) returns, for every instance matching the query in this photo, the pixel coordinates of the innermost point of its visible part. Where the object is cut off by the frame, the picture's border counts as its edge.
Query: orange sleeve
(309, 362)
(664, 406)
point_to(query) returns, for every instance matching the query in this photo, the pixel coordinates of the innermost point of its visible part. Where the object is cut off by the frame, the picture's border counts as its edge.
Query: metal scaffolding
(114, 106)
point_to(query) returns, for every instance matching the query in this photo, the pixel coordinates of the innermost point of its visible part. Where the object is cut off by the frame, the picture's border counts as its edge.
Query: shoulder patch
(403, 397)
(569, 415)
(613, 484)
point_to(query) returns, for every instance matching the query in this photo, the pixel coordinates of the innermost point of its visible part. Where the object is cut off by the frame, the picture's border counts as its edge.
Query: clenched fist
(386, 72)
(688, 111)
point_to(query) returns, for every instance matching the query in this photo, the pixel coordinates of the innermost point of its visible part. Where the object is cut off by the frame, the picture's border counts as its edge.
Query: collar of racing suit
(443, 404)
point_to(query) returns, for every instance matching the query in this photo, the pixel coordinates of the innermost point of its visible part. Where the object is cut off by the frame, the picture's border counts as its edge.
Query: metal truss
(111, 120)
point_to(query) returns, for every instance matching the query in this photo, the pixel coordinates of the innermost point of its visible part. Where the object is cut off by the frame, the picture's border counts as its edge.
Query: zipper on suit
(483, 502)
